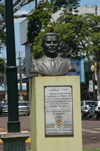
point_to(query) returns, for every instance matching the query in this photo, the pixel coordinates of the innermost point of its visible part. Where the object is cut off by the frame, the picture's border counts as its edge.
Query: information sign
(90, 85)
(58, 110)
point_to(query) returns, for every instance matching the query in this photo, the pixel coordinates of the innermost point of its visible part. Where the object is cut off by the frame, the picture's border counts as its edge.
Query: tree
(68, 42)
(23, 65)
(40, 19)
(58, 4)
(42, 16)
(90, 37)
(2, 13)
(76, 33)
(1, 65)
(17, 5)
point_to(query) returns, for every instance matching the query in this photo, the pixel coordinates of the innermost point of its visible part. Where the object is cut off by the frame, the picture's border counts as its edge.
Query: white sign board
(90, 85)
(58, 110)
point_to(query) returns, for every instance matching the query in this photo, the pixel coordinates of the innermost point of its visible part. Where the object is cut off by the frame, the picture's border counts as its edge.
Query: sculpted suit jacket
(43, 66)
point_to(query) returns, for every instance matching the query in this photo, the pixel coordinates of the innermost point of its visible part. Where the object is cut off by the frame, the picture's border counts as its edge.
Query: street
(91, 133)
(90, 130)
(24, 121)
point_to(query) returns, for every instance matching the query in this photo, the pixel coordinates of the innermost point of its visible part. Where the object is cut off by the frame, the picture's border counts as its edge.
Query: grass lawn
(91, 149)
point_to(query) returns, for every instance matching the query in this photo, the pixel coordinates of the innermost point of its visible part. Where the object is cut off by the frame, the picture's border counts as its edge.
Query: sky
(18, 47)
(89, 2)
(27, 9)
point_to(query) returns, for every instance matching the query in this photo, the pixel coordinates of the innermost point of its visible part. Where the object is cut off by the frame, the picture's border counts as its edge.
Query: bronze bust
(51, 64)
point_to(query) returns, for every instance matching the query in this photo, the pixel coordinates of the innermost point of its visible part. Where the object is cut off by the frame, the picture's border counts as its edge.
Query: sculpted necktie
(53, 64)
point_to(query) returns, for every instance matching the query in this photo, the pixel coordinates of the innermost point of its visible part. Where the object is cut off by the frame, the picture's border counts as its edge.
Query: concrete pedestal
(41, 142)
(14, 141)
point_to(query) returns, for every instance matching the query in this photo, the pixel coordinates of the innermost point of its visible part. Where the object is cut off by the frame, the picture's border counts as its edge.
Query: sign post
(90, 85)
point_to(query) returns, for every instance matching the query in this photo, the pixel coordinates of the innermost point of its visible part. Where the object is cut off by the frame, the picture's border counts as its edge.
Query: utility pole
(20, 78)
(98, 81)
(95, 10)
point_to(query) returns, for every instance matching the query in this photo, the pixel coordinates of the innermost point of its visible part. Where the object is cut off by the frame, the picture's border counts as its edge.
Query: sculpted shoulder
(40, 60)
(68, 64)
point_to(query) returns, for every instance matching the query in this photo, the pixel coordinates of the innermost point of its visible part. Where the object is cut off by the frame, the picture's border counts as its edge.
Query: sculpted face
(50, 45)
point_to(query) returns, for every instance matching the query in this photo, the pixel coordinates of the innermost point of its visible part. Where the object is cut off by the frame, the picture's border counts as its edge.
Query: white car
(94, 109)
(4, 107)
(23, 108)
(85, 105)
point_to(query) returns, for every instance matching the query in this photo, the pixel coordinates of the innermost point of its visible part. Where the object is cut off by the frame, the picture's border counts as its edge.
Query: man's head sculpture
(50, 44)
(51, 64)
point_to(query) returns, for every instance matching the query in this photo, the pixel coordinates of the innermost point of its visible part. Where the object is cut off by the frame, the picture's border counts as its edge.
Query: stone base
(41, 142)
(14, 141)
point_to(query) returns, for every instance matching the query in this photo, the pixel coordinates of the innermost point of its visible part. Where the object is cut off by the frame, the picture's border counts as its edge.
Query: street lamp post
(13, 117)
(20, 79)
(13, 139)
(98, 82)
(93, 78)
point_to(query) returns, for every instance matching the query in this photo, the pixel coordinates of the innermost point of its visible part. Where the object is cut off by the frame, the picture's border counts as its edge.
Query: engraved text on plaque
(58, 110)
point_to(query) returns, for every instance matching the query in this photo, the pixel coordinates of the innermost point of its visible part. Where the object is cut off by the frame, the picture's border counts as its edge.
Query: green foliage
(23, 65)
(2, 14)
(58, 4)
(67, 41)
(76, 33)
(66, 30)
(2, 10)
(1, 65)
(37, 45)
(40, 19)
(3, 37)
(90, 35)
(91, 149)
(43, 14)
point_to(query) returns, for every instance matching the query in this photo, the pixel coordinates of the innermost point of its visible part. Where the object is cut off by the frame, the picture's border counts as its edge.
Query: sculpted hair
(48, 34)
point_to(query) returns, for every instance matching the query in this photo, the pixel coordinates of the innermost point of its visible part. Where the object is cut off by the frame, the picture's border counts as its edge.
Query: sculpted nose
(51, 43)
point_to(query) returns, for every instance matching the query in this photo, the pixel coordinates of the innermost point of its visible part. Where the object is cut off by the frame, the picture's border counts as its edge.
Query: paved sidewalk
(91, 139)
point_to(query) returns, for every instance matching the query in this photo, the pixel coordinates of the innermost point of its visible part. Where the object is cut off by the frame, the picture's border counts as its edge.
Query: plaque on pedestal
(58, 110)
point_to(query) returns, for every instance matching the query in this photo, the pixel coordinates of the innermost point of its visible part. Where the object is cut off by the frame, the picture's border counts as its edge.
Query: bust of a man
(51, 64)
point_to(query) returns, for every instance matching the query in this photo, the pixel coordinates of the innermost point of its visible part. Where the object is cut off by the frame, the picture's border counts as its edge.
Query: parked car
(4, 107)
(24, 109)
(94, 109)
(28, 103)
(85, 105)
